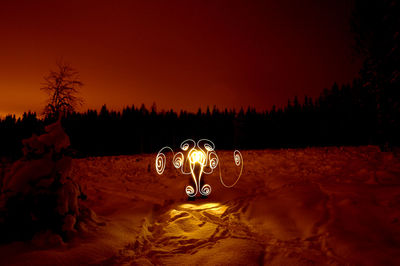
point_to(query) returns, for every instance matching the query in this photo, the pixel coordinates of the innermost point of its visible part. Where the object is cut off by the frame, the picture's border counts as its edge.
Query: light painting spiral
(190, 191)
(199, 154)
(213, 160)
(205, 190)
(178, 160)
(237, 157)
(161, 160)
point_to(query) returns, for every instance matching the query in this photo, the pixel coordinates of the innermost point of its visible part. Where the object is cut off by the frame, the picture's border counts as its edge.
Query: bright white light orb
(197, 156)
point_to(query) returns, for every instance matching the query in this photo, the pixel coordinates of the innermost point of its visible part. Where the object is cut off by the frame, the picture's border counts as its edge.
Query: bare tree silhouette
(62, 87)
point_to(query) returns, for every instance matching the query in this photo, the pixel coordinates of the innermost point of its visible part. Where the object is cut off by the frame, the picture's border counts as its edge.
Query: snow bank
(39, 200)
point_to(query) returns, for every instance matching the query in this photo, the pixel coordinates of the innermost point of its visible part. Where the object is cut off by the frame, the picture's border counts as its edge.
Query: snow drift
(39, 200)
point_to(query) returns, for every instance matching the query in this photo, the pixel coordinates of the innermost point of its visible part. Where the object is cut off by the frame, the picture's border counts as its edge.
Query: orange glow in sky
(178, 54)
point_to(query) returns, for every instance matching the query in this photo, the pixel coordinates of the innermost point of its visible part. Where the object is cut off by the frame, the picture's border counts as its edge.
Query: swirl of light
(205, 190)
(161, 160)
(186, 144)
(213, 159)
(213, 163)
(160, 163)
(208, 145)
(190, 191)
(202, 154)
(237, 157)
(178, 160)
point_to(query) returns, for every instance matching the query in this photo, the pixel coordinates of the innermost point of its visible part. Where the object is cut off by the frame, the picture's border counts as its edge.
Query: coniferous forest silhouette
(345, 115)
(362, 113)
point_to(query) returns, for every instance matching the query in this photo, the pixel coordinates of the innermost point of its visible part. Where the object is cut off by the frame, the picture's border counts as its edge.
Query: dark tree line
(340, 116)
(364, 112)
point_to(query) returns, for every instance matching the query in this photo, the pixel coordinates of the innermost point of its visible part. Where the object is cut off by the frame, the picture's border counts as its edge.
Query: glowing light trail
(201, 154)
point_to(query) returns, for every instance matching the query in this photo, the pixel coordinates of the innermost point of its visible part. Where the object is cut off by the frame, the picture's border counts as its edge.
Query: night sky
(178, 54)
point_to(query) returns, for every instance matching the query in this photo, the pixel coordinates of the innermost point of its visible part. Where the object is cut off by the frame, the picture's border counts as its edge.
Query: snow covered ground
(337, 206)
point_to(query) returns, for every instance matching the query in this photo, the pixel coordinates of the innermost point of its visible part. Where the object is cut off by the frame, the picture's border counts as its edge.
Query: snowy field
(336, 206)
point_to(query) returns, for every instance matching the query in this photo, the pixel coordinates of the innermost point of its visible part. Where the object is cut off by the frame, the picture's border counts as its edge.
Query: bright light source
(204, 156)
(197, 157)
